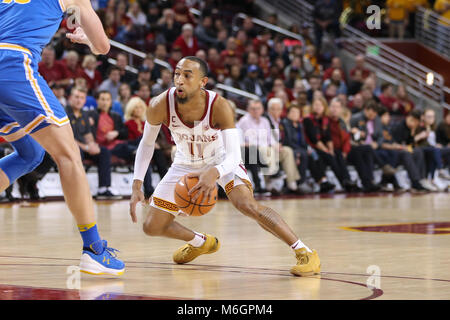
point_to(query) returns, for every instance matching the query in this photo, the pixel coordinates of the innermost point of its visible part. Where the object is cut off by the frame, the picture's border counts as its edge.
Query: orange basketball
(183, 200)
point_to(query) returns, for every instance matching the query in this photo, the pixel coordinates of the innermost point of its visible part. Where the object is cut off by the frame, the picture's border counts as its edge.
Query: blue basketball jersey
(30, 23)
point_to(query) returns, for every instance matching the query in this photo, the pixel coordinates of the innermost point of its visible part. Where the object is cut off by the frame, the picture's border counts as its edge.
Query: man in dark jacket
(366, 129)
(89, 149)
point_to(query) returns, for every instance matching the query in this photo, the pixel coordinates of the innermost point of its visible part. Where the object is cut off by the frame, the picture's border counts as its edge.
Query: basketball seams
(189, 207)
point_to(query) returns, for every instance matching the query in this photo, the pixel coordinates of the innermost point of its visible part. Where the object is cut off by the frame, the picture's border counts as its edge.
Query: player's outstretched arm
(90, 32)
(156, 115)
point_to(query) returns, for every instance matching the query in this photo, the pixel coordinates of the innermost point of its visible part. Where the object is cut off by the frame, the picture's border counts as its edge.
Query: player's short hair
(203, 65)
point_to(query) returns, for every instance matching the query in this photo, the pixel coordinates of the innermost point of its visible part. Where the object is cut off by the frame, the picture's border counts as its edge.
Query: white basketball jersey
(199, 145)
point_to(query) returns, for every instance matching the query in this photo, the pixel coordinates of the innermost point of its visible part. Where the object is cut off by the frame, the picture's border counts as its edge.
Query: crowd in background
(318, 113)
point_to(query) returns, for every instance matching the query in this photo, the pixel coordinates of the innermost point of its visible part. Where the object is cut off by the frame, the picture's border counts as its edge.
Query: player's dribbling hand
(206, 184)
(136, 196)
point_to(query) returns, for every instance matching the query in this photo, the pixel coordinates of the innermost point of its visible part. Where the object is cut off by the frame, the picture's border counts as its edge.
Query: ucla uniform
(26, 101)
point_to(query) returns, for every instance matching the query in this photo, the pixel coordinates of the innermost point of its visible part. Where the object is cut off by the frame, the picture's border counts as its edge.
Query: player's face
(188, 79)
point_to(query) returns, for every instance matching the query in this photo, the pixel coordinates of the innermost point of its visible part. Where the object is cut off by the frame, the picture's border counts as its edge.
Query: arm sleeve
(232, 150)
(145, 150)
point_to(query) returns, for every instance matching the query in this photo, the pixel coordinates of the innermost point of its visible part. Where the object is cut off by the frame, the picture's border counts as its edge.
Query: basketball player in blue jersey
(200, 117)
(32, 120)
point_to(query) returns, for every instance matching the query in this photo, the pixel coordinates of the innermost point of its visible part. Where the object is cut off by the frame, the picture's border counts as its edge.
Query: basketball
(183, 200)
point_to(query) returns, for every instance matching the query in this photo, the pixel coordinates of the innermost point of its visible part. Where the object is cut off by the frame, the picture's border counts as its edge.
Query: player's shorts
(26, 101)
(164, 195)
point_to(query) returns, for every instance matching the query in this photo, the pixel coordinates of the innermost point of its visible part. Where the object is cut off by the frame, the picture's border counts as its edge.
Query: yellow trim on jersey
(7, 128)
(15, 47)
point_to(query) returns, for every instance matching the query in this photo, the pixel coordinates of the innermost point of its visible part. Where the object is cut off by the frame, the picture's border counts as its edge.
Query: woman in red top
(135, 118)
(90, 73)
(135, 122)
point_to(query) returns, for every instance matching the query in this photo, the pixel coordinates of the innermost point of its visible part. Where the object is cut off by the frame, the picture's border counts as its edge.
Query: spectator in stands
(257, 142)
(404, 133)
(361, 156)
(326, 19)
(124, 96)
(397, 154)
(162, 84)
(315, 84)
(90, 73)
(359, 66)
(286, 153)
(161, 52)
(187, 41)
(122, 63)
(310, 58)
(234, 80)
(336, 63)
(278, 85)
(109, 129)
(113, 83)
(291, 130)
(433, 154)
(216, 64)
(155, 70)
(405, 104)
(366, 129)
(357, 104)
(137, 17)
(59, 92)
(443, 132)
(143, 77)
(175, 56)
(50, 69)
(169, 27)
(318, 136)
(336, 79)
(144, 92)
(355, 83)
(71, 68)
(205, 32)
(388, 99)
(135, 122)
(252, 83)
(397, 17)
(442, 7)
(89, 149)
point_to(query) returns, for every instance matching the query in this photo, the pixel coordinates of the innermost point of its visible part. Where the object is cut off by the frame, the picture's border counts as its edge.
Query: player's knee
(152, 229)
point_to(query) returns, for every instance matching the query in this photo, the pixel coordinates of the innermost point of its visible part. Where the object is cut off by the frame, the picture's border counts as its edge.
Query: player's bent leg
(163, 224)
(27, 155)
(242, 198)
(97, 257)
(308, 262)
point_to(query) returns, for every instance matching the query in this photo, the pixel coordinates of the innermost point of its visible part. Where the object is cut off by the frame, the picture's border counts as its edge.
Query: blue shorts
(26, 101)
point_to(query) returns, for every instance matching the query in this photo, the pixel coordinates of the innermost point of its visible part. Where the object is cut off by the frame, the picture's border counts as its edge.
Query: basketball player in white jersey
(202, 126)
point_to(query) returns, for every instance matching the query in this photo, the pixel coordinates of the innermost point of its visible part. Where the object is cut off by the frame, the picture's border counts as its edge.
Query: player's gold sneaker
(187, 253)
(308, 263)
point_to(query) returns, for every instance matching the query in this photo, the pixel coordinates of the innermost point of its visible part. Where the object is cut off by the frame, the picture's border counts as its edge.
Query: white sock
(198, 241)
(299, 244)
(102, 189)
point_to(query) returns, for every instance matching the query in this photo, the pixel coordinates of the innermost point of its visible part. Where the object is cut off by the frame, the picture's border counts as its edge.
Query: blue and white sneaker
(99, 259)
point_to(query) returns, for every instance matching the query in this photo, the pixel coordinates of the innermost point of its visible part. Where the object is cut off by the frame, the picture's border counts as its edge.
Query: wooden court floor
(379, 247)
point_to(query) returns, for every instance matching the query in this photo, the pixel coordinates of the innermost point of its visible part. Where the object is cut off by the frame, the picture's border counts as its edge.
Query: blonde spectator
(90, 73)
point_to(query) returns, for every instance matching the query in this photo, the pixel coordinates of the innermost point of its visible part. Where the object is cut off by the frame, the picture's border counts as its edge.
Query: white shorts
(164, 196)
